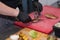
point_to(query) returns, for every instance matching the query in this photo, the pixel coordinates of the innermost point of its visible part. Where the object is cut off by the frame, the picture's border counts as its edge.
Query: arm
(5, 10)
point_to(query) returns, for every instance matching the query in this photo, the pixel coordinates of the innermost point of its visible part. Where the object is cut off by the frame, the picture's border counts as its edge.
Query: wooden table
(26, 30)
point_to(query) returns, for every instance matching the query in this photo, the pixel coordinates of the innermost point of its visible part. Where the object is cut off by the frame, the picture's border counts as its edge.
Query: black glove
(24, 17)
(37, 6)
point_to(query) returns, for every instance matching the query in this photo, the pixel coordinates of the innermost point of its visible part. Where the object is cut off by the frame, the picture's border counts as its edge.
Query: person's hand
(37, 6)
(23, 17)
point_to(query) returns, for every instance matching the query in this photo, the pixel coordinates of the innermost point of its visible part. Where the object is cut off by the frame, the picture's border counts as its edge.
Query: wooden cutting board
(26, 32)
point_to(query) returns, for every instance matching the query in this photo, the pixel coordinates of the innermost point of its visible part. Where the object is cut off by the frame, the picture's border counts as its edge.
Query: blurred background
(50, 2)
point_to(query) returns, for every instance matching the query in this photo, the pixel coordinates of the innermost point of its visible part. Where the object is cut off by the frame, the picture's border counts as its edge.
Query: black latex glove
(37, 6)
(24, 17)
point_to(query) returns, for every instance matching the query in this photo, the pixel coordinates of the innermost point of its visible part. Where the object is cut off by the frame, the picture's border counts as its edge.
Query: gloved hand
(24, 17)
(37, 6)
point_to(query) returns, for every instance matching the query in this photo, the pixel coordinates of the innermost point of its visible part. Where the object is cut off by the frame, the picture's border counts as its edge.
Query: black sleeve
(10, 3)
(1, 0)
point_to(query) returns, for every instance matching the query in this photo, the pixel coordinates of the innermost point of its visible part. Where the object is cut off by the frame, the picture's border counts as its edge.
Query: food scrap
(33, 34)
(51, 16)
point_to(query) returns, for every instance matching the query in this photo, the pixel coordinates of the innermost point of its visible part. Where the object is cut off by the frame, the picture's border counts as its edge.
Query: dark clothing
(7, 28)
(11, 3)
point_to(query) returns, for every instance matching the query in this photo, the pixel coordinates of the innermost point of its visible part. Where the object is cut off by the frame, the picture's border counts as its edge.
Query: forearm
(5, 10)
